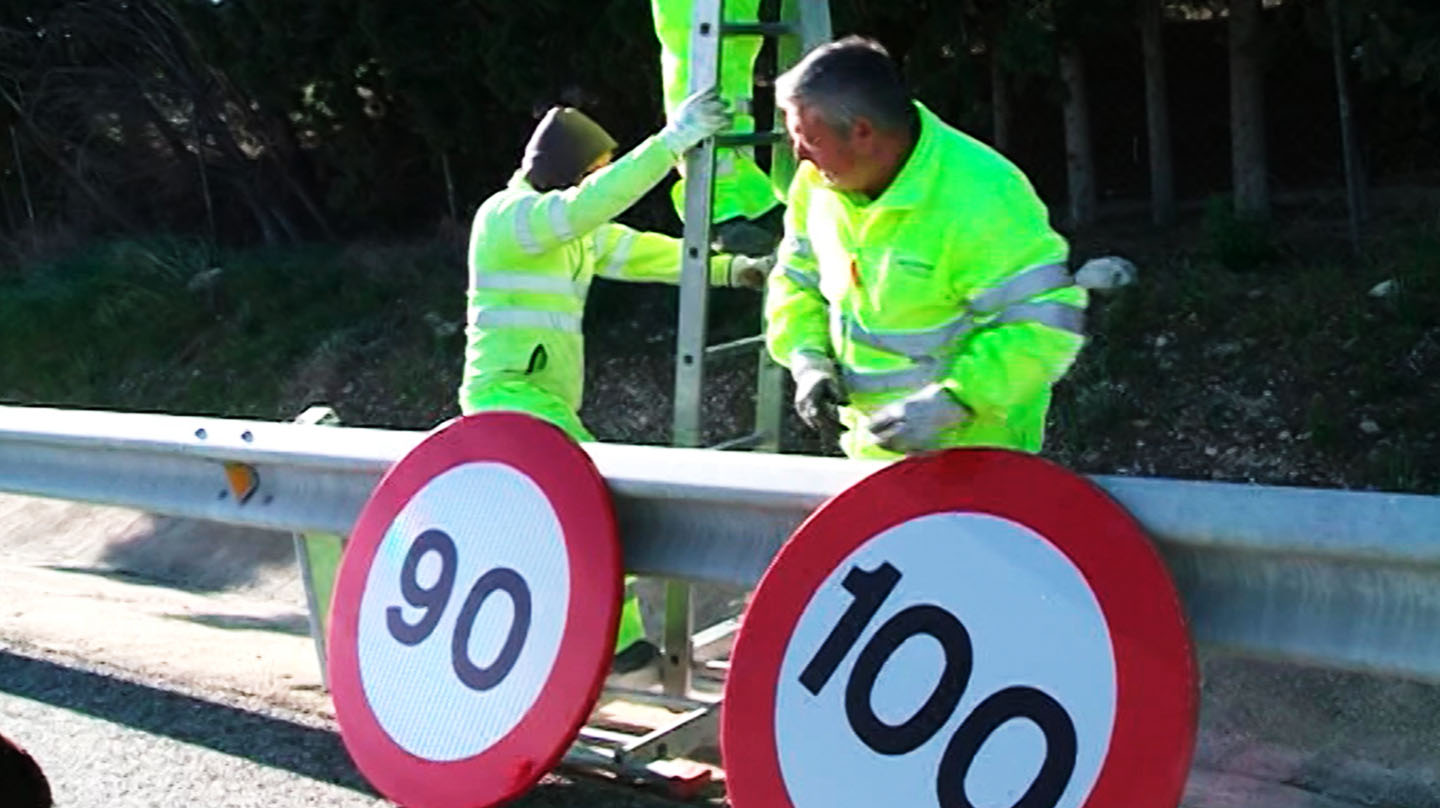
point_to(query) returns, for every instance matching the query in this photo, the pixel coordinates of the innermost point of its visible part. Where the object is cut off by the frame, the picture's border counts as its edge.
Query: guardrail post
(679, 625)
(318, 555)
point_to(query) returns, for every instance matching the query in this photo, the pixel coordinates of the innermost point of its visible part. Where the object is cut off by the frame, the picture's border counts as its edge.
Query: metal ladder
(687, 655)
(803, 25)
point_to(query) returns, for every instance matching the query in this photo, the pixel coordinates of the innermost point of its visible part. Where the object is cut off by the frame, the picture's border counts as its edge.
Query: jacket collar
(914, 179)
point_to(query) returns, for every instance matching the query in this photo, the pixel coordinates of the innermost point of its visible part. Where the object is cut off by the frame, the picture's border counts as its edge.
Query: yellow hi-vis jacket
(952, 276)
(742, 188)
(532, 257)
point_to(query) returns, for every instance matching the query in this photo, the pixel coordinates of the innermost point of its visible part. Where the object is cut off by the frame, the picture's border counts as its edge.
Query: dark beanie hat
(564, 144)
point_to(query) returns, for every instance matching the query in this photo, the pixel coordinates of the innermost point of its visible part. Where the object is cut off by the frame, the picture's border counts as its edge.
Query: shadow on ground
(307, 751)
(312, 752)
(205, 556)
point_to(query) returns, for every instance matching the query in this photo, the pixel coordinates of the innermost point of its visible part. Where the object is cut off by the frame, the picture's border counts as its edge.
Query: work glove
(750, 273)
(744, 237)
(696, 118)
(1105, 274)
(915, 423)
(817, 394)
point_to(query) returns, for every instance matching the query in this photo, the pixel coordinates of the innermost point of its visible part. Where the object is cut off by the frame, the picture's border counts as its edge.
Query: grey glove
(696, 118)
(913, 424)
(1104, 274)
(750, 273)
(744, 237)
(817, 394)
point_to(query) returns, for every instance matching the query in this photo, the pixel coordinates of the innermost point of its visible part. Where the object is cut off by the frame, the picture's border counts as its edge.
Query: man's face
(840, 156)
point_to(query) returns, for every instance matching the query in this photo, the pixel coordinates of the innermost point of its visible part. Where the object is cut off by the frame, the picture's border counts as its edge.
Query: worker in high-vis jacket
(747, 211)
(920, 299)
(534, 248)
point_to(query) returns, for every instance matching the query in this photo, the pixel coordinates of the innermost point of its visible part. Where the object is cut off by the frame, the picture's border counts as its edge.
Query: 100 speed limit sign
(475, 613)
(971, 629)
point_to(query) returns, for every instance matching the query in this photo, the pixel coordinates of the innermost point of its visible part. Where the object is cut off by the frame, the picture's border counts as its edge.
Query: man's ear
(862, 134)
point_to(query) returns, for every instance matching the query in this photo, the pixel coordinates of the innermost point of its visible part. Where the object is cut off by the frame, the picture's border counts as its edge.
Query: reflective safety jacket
(532, 256)
(741, 187)
(953, 275)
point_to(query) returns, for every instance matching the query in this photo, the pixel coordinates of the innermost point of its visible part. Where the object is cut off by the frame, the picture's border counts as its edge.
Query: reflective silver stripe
(523, 233)
(910, 343)
(620, 255)
(911, 378)
(1036, 280)
(555, 210)
(1054, 314)
(924, 347)
(799, 246)
(524, 282)
(1004, 302)
(528, 318)
(919, 344)
(800, 277)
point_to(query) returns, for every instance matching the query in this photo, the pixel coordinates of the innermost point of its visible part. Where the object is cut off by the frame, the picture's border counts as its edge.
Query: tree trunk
(1079, 156)
(449, 185)
(204, 185)
(999, 101)
(52, 154)
(1157, 113)
(9, 213)
(1354, 184)
(1247, 111)
(24, 184)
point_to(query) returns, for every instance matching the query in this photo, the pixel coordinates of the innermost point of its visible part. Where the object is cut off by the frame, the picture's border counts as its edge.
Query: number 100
(870, 590)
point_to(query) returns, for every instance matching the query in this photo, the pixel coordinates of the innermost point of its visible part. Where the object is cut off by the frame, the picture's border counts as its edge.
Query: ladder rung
(607, 738)
(748, 138)
(735, 345)
(742, 442)
(776, 29)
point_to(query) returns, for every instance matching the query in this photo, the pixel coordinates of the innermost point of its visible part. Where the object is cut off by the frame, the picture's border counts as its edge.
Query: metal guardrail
(1334, 578)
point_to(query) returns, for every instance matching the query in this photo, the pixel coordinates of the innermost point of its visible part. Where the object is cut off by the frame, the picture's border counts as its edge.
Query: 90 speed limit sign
(475, 613)
(965, 629)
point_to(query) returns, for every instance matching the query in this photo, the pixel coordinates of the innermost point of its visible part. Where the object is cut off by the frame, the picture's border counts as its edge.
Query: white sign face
(956, 659)
(463, 612)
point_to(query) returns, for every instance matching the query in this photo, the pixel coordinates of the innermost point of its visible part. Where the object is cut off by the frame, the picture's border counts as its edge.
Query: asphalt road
(106, 741)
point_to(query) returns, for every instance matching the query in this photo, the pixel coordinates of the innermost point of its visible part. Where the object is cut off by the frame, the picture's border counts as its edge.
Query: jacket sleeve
(1009, 362)
(624, 254)
(796, 313)
(544, 221)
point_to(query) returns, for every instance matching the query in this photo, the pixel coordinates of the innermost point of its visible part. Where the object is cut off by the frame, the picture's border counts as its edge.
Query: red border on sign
(582, 505)
(1153, 739)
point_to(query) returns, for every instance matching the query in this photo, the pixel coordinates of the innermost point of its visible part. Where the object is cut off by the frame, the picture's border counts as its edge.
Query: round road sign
(970, 628)
(475, 613)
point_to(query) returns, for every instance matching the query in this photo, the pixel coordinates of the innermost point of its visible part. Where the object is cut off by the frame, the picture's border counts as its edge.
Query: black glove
(818, 396)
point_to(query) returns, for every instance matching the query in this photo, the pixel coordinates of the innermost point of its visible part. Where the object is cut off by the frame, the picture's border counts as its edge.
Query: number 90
(436, 597)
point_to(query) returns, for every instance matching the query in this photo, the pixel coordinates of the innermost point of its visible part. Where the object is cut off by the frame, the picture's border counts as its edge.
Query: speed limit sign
(475, 613)
(971, 628)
